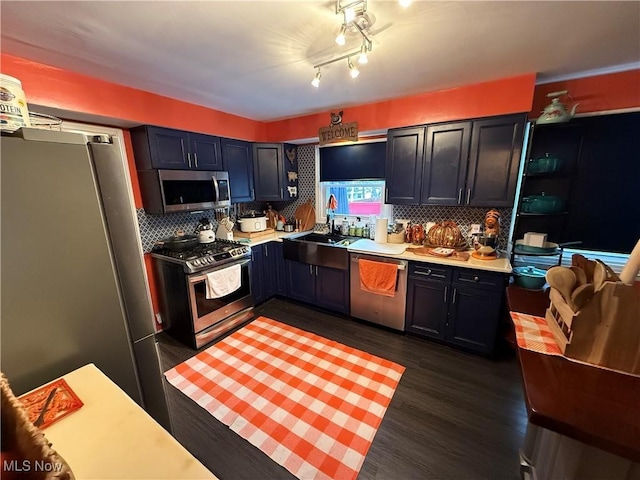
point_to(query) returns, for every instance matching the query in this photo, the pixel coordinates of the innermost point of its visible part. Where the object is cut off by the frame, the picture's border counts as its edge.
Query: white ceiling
(255, 58)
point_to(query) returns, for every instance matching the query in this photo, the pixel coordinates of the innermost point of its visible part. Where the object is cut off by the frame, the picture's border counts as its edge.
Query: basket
(395, 237)
(605, 332)
(26, 453)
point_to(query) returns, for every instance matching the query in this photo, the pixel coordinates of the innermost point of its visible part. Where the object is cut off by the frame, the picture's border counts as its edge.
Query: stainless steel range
(187, 312)
(204, 255)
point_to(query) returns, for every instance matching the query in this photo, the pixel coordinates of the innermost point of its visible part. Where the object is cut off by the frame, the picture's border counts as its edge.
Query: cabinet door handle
(189, 159)
(386, 193)
(316, 270)
(266, 252)
(426, 274)
(475, 279)
(195, 158)
(253, 193)
(459, 196)
(453, 300)
(310, 269)
(282, 193)
(445, 293)
(468, 195)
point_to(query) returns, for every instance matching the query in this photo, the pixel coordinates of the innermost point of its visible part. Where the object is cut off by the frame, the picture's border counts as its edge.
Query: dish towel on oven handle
(220, 283)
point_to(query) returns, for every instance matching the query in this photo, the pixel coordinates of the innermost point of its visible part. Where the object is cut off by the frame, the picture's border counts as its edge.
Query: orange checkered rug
(311, 404)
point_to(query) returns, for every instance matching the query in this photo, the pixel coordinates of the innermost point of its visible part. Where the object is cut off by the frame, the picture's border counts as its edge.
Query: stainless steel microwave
(168, 191)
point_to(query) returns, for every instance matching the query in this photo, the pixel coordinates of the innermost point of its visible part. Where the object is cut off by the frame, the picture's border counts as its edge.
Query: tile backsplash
(156, 227)
(463, 216)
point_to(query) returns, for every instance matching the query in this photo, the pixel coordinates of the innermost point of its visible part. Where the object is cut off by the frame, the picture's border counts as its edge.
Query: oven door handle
(202, 277)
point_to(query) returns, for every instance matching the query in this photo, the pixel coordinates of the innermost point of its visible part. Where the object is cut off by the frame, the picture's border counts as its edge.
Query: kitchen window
(356, 198)
(354, 174)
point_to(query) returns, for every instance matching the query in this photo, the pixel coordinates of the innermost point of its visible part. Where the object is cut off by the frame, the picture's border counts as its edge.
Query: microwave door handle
(216, 188)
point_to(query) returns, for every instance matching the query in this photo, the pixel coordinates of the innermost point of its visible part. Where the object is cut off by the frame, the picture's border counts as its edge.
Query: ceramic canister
(14, 113)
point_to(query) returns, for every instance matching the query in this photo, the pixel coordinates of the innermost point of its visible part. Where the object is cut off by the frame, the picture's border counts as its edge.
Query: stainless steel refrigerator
(73, 286)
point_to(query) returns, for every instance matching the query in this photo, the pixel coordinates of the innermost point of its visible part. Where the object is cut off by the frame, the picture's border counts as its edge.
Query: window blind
(364, 161)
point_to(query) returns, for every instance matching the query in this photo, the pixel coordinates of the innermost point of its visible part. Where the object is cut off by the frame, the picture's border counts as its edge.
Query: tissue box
(534, 239)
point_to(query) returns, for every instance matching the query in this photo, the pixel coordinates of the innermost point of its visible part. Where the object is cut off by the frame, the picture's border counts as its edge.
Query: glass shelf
(547, 175)
(530, 254)
(527, 214)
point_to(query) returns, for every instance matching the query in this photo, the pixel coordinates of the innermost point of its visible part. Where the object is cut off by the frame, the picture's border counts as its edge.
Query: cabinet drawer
(428, 271)
(479, 278)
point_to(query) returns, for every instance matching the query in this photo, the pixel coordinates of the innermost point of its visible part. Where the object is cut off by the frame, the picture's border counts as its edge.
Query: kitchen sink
(319, 249)
(338, 240)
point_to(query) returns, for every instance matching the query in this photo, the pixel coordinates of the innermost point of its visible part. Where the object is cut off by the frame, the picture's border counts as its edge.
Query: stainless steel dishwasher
(387, 311)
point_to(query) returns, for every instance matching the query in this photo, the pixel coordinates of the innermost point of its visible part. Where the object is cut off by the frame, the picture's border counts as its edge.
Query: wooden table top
(596, 406)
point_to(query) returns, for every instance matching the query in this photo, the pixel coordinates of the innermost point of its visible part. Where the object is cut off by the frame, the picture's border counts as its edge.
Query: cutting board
(369, 246)
(307, 215)
(239, 234)
(424, 251)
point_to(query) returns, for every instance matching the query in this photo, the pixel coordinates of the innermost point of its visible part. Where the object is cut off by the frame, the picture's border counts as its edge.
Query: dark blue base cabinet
(271, 275)
(455, 306)
(321, 286)
(268, 276)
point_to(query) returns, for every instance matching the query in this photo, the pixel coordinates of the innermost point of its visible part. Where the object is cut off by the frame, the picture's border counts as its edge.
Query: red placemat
(533, 333)
(63, 402)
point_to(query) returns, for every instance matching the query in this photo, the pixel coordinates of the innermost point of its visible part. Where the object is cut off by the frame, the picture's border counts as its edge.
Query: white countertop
(110, 436)
(396, 250)
(500, 265)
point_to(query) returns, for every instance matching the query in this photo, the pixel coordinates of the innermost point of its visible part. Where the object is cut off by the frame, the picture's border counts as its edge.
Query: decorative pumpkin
(445, 234)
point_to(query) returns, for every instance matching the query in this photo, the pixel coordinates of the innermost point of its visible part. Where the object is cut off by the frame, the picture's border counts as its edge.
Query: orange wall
(594, 94)
(58, 88)
(66, 90)
(510, 95)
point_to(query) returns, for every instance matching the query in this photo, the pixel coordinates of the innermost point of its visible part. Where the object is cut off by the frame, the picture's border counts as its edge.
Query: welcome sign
(338, 131)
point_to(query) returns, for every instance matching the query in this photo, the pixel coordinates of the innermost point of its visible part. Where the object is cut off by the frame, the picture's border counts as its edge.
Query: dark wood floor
(454, 415)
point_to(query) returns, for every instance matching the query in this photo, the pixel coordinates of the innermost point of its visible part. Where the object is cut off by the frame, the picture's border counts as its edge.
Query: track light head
(362, 58)
(340, 39)
(316, 81)
(354, 72)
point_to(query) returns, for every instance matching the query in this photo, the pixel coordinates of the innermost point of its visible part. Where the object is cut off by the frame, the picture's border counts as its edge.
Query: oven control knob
(209, 259)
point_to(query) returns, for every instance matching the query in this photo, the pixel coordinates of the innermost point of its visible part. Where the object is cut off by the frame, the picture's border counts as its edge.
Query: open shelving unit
(562, 141)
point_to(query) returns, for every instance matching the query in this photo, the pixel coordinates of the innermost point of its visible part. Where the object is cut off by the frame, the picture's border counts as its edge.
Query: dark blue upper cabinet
(268, 171)
(496, 147)
(463, 163)
(403, 176)
(237, 159)
(156, 147)
(205, 151)
(445, 164)
(168, 149)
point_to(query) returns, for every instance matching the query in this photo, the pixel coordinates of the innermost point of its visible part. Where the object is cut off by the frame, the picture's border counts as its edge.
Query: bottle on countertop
(358, 227)
(365, 231)
(352, 229)
(344, 229)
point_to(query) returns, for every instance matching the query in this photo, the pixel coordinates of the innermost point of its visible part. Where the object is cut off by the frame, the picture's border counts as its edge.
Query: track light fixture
(355, 20)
